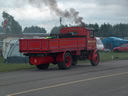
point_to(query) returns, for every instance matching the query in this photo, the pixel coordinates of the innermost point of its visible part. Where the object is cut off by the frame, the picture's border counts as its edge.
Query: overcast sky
(100, 11)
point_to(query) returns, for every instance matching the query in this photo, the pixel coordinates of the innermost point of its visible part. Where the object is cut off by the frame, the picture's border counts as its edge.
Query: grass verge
(12, 67)
(108, 56)
(104, 56)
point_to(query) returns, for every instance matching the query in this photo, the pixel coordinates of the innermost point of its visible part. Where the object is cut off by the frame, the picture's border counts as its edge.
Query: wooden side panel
(66, 43)
(34, 45)
(82, 42)
(53, 44)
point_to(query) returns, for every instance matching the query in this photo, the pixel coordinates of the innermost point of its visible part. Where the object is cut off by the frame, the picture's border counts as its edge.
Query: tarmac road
(107, 79)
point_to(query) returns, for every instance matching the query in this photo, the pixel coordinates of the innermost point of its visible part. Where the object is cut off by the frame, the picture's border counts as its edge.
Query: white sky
(93, 11)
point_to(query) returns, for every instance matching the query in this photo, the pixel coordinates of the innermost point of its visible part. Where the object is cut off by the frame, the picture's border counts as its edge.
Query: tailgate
(33, 45)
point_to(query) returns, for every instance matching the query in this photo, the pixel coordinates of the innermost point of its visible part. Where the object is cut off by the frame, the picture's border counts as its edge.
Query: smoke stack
(60, 20)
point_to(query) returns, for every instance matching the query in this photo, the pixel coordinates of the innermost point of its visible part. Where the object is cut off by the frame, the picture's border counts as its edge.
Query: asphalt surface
(107, 79)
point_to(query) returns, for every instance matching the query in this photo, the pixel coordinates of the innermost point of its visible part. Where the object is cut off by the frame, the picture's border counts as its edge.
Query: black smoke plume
(53, 6)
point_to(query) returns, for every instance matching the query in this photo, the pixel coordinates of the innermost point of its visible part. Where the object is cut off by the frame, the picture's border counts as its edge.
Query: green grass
(104, 56)
(12, 67)
(108, 56)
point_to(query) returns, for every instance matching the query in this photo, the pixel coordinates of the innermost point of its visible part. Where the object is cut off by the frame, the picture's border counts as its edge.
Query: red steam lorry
(64, 49)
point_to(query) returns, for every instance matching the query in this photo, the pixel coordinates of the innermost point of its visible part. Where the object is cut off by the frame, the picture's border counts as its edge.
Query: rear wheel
(42, 66)
(95, 59)
(66, 64)
(75, 60)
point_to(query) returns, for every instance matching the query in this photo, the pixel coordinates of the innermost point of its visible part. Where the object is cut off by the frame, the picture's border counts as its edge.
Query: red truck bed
(52, 45)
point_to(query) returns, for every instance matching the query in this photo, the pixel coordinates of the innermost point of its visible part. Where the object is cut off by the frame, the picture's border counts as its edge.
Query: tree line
(11, 26)
(107, 30)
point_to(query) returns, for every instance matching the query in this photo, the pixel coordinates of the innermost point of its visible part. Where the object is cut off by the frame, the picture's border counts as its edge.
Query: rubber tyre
(42, 66)
(74, 61)
(96, 61)
(66, 64)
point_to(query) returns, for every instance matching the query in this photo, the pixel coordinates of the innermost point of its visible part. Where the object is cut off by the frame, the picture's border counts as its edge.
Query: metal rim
(96, 58)
(68, 61)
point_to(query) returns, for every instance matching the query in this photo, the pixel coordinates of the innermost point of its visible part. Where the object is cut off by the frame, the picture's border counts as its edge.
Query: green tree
(121, 30)
(11, 26)
(34, 29)
(106, 30)
(95, 27)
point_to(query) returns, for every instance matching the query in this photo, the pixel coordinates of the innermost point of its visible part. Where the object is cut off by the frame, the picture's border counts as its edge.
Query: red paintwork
(121, 48)
(41, 60)
(81, 31)
(95, 58)
(92, 55)
(68, 61)
(51, 45)
(60, 57)
(59, 44)
(81, 41)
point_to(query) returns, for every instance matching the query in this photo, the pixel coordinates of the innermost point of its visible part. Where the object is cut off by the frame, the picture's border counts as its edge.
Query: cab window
(91, 34)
